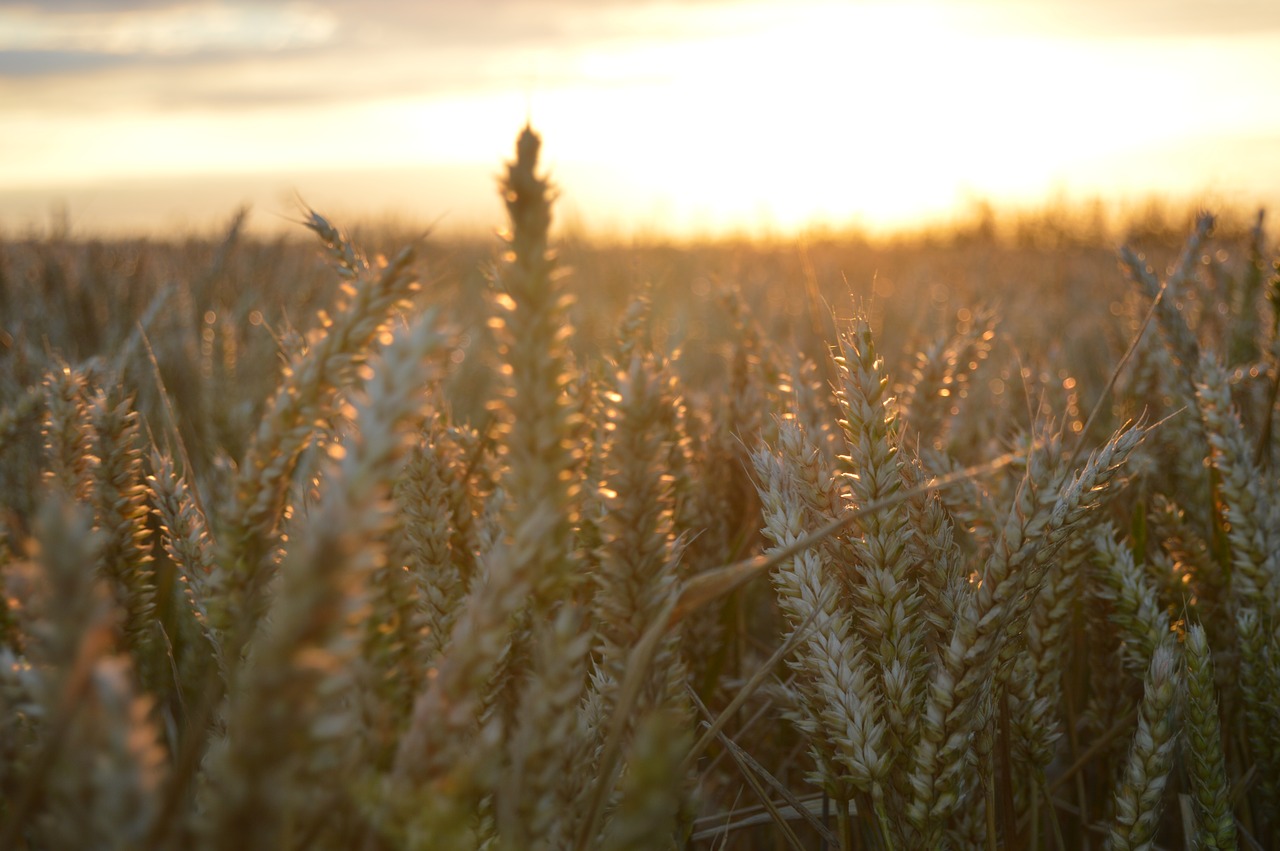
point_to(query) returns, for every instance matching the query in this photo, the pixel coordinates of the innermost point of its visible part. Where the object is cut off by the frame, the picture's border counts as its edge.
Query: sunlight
(663, 117)
(877, 111)
(840, 113)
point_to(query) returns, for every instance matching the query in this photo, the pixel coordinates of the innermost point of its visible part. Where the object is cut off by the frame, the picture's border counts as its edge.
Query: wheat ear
(306, 397)
(1139, 797)
(841, 711)
(1216, 825)
(289, 715)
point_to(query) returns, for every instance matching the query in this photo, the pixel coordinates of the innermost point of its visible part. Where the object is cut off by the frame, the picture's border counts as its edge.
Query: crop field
(387, 541)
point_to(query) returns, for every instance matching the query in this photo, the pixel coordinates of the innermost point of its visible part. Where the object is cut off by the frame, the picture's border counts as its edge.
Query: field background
(376, 540)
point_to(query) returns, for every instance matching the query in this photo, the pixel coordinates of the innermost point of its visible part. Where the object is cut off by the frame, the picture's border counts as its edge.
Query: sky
(687, 118)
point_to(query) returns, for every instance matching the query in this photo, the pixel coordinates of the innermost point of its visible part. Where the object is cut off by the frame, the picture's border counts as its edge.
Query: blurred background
(672, 119)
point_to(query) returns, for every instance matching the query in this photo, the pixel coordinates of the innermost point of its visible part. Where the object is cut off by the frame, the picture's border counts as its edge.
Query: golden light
(665, 118)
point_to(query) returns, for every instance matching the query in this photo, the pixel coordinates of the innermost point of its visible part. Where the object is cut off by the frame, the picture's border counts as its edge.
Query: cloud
(1141, 19)
(102, 56)
(164, 30)
(41, 63)
(146, 30)
(151, 28)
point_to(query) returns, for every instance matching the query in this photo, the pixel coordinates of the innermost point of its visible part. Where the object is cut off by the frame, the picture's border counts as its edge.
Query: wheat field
(398, 543)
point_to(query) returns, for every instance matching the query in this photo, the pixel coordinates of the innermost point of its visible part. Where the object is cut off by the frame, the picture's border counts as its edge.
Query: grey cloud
(383, 46)
(18, 64)
(482, 24)
(64, 40)
(212, 81)
(63, 65)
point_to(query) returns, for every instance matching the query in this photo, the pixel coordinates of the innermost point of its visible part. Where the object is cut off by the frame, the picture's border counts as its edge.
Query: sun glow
(681, 119)
(883, 112)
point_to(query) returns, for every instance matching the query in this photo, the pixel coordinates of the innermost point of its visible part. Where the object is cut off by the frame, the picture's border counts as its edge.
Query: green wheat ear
(1206, 763)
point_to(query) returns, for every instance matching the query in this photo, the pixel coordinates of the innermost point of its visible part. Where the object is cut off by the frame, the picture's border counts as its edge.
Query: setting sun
(659, 117)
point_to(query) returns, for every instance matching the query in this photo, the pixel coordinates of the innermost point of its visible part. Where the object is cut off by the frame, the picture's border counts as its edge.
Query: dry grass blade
(753, 772)
(746, 690)
(1099, 745)
(1115, 375)
(748, 817)
(752, 769)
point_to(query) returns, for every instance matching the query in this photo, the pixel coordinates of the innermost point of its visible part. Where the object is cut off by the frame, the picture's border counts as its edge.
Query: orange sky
(681, 118)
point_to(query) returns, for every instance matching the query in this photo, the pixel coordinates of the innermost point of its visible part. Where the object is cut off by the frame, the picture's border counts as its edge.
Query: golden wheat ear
(331, 360)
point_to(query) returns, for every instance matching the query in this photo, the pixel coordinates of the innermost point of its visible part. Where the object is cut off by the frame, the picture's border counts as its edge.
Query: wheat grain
(1139, 795)
(1206, 761)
